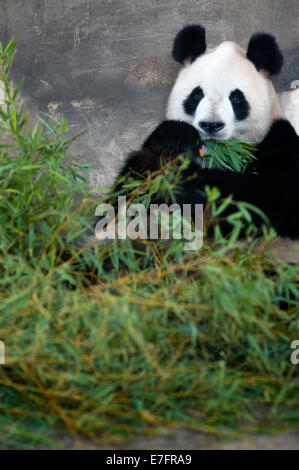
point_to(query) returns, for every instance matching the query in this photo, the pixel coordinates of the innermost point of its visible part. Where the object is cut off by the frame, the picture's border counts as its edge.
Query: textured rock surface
(106, 64)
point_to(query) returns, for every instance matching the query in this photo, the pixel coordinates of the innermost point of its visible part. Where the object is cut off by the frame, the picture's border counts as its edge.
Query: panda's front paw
(173, 138)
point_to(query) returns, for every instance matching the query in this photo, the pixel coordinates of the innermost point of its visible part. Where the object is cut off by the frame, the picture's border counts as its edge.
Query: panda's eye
(192, 101)
(198, 94)
(236, 97)
(240, 104)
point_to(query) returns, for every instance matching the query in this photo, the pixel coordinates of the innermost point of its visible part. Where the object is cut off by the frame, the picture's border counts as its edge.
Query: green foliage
(124, 338)
(39, 187)
(232, 154)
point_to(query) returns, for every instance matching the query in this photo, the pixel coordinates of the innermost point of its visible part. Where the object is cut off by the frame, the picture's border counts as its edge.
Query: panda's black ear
(264, 52)
(189, 43)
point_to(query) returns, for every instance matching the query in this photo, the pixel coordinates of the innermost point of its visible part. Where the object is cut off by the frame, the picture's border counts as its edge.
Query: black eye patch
(240, 104)
(191, 103)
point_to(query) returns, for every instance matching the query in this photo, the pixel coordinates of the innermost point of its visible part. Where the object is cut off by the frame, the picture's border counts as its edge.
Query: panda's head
(225, 92)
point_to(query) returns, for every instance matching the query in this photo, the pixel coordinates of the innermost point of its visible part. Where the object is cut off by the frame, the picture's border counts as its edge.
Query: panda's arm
(169, 139)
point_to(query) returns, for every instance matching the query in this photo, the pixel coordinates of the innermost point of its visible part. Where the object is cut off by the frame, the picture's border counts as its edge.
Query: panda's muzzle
(211, 127)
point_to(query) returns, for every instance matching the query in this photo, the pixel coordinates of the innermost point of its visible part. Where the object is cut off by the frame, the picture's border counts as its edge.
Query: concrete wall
(106, 65)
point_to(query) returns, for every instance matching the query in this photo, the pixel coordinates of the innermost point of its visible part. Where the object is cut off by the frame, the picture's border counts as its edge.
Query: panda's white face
(223, 95)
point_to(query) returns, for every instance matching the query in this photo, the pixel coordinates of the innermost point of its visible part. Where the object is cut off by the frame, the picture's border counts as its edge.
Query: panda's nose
(211, 127)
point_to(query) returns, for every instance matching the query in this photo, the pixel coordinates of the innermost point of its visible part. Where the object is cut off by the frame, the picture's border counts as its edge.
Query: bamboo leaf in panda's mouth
(232, 154)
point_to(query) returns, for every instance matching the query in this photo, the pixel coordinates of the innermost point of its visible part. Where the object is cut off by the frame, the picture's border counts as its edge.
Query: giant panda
(222, 93)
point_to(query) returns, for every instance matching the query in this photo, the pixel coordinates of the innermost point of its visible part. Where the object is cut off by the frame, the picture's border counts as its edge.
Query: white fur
(218, 72)
(289, 102)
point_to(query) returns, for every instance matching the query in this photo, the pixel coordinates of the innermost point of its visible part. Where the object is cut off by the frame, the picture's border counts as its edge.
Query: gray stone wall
(106, 64)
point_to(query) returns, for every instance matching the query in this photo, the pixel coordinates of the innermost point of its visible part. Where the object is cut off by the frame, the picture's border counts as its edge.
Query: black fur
(240, 104)
(189, 43)
(264, 52)
(168, 140)
(275, 189)
(193, 100)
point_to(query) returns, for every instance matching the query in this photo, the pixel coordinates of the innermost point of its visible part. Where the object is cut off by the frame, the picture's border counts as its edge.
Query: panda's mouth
(202, 150)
